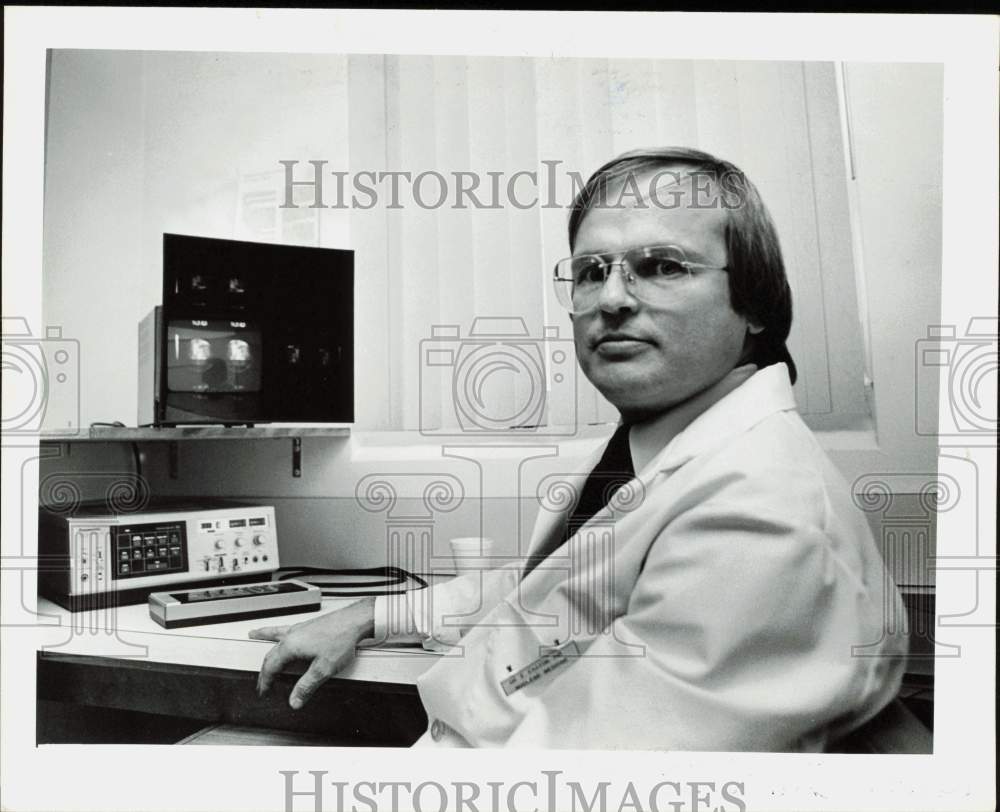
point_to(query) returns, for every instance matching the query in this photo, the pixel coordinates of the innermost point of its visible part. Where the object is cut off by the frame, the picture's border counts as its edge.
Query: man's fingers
(273, 633)
(276, 659)
(319, 672)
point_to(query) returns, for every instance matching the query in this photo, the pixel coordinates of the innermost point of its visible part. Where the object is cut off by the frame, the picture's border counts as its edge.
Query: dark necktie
(612, 471)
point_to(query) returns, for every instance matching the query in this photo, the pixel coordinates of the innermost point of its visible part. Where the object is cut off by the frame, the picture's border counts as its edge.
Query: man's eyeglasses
(654, 274)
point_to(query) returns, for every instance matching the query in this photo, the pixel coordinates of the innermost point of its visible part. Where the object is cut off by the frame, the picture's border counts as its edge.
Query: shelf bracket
(173, 458)
(296, 456)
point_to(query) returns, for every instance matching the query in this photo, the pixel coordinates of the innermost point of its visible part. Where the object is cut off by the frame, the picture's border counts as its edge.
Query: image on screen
(213, 356)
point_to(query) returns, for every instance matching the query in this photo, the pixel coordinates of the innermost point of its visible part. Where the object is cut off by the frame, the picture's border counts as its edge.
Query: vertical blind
(425, 275)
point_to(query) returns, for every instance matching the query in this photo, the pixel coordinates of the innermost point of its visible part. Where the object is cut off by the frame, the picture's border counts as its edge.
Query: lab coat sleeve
(737, 636)
(437, 617)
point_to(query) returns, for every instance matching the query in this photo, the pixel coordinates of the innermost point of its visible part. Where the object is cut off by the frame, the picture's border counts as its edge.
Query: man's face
(645, 358)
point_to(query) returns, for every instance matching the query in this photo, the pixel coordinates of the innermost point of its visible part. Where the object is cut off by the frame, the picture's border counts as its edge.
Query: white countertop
(129, 632)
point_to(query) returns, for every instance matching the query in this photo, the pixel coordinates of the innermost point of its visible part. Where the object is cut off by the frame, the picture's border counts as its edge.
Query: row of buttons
(220, 562)
(138, 540)
(151, 552)
(156, 565)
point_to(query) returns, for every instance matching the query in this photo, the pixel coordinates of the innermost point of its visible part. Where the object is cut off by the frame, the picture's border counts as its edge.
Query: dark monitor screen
(255, 332)
(213, 356)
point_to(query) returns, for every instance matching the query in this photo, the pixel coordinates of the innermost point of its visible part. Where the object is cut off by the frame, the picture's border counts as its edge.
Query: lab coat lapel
(550, 522)
(766, 392)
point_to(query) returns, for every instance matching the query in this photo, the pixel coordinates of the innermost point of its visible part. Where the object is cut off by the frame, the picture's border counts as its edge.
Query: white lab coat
(738, 603)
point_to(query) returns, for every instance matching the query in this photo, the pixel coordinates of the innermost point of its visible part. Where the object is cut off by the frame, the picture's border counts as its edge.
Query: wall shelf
(128, 434)
(149, 433)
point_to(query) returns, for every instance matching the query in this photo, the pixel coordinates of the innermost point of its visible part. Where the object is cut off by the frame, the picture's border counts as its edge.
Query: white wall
(93, 286)
(897, 126)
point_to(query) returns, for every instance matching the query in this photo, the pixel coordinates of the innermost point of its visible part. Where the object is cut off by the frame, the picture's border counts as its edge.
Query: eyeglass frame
(627, 275)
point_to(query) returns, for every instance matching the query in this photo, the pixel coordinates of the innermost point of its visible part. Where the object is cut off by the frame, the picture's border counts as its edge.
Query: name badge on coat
(551, 659)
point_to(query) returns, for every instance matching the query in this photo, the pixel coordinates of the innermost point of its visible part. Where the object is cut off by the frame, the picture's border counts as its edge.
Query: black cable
(136, 456)
(138, 460)
(393, 576)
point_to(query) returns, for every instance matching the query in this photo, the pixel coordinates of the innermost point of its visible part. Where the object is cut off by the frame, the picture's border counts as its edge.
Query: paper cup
(472, 553)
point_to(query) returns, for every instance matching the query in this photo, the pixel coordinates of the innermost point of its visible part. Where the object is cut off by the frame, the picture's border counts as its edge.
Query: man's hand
(327, 641)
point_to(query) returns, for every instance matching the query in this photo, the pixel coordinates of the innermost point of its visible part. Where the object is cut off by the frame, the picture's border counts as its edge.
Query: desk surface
(129, 632)
(114, 676)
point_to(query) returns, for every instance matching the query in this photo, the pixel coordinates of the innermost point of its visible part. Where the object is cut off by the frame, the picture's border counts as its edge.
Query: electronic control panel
(92, 552)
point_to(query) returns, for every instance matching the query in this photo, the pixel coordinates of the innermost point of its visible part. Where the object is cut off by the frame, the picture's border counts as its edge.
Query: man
(729, 607)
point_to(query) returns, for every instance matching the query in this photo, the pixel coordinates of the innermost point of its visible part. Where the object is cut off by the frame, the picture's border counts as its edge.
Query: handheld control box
(195, 607)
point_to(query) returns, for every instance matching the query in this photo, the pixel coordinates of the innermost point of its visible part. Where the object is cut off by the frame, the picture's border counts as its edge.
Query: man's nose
(616, 294)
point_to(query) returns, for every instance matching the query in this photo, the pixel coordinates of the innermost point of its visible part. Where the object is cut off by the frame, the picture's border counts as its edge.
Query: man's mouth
(619, 339)
(620, 345)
